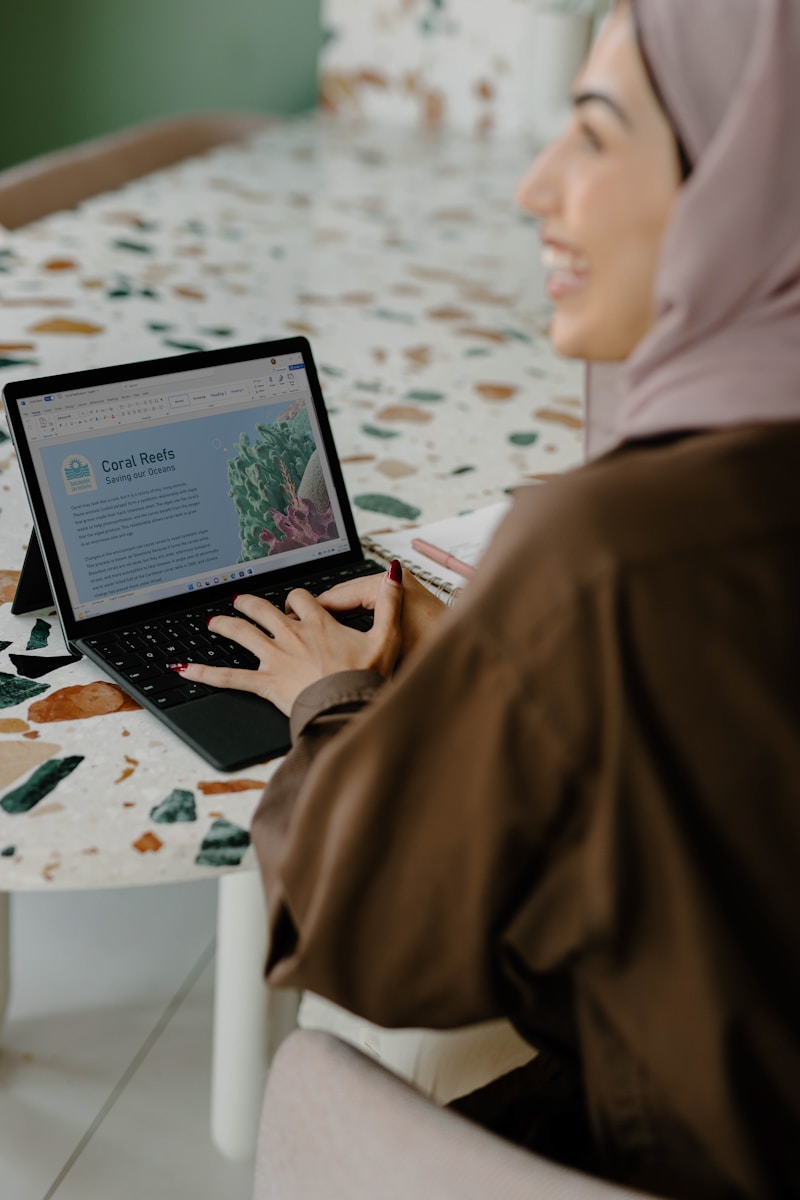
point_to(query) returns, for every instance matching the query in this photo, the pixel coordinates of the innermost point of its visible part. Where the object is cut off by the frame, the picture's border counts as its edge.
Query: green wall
(73, 69)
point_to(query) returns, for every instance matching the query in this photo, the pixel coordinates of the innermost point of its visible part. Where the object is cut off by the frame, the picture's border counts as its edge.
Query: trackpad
(232, 729)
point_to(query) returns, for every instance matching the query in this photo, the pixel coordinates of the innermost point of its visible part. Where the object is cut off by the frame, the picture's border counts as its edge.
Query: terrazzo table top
(402, 257)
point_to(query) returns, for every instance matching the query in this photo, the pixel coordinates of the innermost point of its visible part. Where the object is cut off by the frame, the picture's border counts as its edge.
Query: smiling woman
(605, 190)
(571, 801)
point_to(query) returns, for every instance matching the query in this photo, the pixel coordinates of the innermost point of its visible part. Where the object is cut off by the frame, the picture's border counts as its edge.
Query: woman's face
(605, 190)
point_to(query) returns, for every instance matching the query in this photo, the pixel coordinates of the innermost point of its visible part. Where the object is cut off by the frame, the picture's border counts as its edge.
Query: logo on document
(78, 475)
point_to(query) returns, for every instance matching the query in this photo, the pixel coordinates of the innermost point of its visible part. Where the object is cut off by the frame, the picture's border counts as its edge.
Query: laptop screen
(156, 487)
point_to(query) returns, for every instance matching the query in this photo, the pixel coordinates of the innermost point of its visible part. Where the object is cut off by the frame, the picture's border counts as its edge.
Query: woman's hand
(304, 644)
(421, 609)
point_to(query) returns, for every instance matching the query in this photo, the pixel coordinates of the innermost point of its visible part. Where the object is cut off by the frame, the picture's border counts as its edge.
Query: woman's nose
(537, 192)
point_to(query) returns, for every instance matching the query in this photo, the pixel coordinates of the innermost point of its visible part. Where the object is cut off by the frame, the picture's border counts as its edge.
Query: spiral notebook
(466, 537)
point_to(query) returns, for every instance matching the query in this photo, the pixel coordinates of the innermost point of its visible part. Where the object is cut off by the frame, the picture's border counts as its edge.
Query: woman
(575, 803)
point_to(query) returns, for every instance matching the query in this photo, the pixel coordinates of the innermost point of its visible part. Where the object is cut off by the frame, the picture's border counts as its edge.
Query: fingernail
(395, 572)
(208, 621)
(179, 667)
(236, 597)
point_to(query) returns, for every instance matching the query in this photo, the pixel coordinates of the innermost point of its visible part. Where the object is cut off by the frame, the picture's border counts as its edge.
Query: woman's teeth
(563, 260)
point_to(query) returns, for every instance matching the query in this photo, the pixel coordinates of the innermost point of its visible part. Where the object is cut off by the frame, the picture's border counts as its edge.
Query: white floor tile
(154, 1142)
(94, 1019)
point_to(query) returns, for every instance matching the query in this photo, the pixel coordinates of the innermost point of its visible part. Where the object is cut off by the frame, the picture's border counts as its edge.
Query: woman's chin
(567, 340)
(574, 339)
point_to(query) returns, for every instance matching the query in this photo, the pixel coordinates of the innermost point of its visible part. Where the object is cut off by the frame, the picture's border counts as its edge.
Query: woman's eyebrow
(592, 97)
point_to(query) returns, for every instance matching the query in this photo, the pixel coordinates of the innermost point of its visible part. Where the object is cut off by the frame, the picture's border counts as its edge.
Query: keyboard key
(162, 683)
(167, 699)
(143, 673)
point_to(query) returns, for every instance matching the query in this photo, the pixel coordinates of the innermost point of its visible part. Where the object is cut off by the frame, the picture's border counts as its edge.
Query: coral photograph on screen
(278, 487)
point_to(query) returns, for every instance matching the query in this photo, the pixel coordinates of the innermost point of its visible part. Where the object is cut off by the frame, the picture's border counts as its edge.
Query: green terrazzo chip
(223, 846)
(14, 690)
(8, 852)
(375, 431)
(174, 345)
(387, 314)
(46, 777)
(178, 806)
(18, 362)
(523, 439)
(3, 437)
(390, 506)
(136, 247)
(40, 635)
(426, 397)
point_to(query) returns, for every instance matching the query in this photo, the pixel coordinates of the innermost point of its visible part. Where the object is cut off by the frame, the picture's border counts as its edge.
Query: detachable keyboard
(141, 653)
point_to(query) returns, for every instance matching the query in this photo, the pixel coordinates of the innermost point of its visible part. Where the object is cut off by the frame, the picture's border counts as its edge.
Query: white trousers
(443, 1065)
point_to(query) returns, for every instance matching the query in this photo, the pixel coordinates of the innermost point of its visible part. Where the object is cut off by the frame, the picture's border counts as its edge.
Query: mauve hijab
(725, 348)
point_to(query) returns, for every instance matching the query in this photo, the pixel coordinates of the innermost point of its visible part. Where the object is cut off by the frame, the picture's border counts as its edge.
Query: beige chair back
(64, 178)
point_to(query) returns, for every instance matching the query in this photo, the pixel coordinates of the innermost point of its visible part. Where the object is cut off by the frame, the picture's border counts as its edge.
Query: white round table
(404, 261)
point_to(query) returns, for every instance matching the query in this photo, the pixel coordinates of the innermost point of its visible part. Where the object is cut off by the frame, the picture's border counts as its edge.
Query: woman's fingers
(301, 604)
(296, 648)
(387, 621)
(257, 609)
(224, 677)
(353, 594)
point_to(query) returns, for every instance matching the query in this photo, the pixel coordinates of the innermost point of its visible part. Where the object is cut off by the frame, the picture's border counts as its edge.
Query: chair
(63, 178)
(337, 1126)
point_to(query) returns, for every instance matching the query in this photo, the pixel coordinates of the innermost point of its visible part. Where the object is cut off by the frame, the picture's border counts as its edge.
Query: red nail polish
(395, 572)
(179, 667)
(236, 597)
(209, 620)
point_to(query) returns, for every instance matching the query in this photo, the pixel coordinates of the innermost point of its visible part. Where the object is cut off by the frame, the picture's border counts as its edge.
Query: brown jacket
(579, 807)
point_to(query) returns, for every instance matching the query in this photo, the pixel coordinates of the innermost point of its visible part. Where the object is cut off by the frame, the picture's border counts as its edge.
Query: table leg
(5, 953)
(250, 1020)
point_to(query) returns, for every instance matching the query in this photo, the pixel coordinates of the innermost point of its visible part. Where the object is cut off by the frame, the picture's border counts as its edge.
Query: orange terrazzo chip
(488, 335)
(60, 264)
(395, 469)
(148, 843)
(421, 356)
(8, 586)
(449, 312)
(13, 725)
(558, 418)
(403, 412)
(301, 327)
(82, 700)
(496, 391)
(217, 786)
(128, 771)
(65, 325)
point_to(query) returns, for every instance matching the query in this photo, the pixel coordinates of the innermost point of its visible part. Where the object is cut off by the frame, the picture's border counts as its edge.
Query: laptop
(160, 490)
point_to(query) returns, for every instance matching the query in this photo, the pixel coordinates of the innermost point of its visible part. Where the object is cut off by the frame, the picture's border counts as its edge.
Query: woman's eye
(590, 138)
